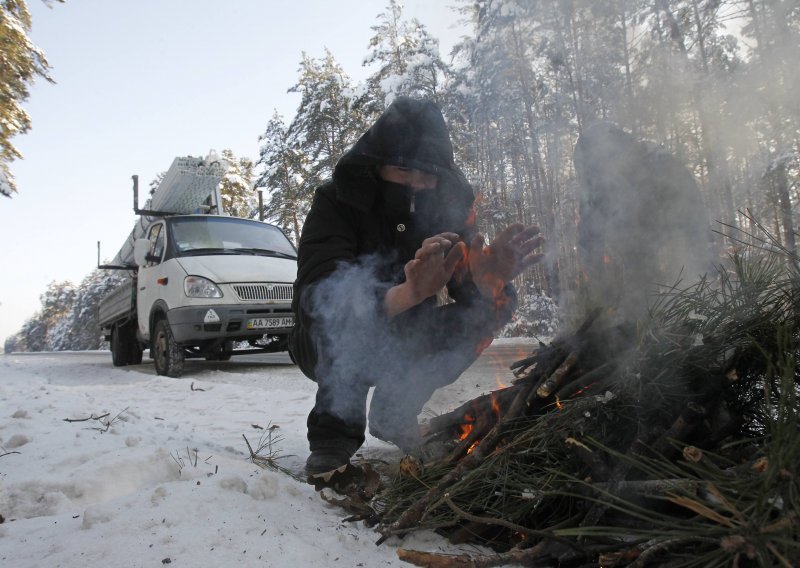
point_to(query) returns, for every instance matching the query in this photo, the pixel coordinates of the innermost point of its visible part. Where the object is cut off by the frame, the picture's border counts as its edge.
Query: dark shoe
(324, 460)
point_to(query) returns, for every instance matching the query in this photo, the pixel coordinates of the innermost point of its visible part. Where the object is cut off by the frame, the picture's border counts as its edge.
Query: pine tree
(43, 330)
(80, 328)
(501, 94)
(407, 58)
(325, 124)
(773, 29)
(297, 159)
(238, 197)
(284, 170)
(22, 64)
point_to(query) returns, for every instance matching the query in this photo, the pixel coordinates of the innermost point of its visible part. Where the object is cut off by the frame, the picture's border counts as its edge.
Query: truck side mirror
(141, 250)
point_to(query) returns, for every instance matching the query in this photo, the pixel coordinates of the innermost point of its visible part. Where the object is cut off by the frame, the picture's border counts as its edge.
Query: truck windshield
(193, 235)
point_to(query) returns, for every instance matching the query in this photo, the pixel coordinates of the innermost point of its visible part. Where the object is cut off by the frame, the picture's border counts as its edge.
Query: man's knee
(303, 352)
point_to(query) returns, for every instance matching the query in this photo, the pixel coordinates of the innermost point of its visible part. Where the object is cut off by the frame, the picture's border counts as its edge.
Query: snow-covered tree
(68, 317)
(325, 124)
(406, 58)
(236, 188)
(21, 63)
(284, 170)
(80, 327)
(42, 330)
(296, 159)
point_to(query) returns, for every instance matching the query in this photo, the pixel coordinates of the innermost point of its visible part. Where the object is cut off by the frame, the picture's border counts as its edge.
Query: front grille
(274, 292)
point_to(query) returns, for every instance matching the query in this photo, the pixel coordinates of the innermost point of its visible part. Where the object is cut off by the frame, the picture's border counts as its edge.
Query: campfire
(655, 431)
(672, 440)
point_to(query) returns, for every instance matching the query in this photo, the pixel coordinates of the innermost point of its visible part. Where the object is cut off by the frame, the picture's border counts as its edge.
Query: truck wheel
(167, 355)
(128, 336)
(119, 348)
(135, 352)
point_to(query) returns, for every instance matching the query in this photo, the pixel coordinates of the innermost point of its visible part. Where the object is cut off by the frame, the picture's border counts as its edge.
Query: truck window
(209, 234)
(156, 242)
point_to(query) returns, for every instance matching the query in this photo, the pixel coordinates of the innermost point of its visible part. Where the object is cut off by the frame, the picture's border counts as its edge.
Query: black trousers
(406, 360)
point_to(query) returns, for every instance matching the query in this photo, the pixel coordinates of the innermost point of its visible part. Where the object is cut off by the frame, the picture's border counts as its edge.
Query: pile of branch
(674, 441)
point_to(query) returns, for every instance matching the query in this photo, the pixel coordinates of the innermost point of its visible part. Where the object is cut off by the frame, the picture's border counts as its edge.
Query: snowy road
(149, 469)
(489, 372)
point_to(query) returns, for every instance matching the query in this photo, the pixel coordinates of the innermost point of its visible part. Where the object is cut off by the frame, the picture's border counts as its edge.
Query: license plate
(270, 323)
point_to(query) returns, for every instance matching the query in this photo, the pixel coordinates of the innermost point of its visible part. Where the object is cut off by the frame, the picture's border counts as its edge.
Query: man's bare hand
(433, 264)
(511, 252)
(430, 270)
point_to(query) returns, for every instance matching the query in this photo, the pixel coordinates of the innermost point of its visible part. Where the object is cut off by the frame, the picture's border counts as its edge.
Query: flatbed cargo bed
(118, 305)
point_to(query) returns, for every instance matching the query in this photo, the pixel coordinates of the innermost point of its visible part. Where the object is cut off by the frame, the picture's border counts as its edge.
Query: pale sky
(141, 82)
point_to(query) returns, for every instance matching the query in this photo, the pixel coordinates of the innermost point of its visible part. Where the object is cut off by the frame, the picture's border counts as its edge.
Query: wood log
(637, 448)
(479, 430)
(414, 513)
(554, 380)
(594, 461)
(555, 363)
(514, 557)
(602, 375)
(680, 430)
(476, 407)
(526, 368)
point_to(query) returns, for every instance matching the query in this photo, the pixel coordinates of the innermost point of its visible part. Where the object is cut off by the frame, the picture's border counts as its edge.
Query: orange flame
(466, 427)
(472, 418)
(559, 404)
(473, 212)
(495, 405)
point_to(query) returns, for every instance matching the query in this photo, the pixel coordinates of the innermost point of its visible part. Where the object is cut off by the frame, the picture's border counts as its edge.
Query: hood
(411, 133)
(225, 269)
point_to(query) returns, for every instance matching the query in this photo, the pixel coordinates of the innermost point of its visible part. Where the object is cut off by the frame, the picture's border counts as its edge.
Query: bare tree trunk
(785, 203)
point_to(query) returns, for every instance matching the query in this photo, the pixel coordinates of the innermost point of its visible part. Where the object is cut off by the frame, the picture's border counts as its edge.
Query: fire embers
(545, 381)
(461, 431)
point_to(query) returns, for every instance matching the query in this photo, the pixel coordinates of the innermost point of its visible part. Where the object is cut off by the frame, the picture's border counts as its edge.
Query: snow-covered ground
(159, 474)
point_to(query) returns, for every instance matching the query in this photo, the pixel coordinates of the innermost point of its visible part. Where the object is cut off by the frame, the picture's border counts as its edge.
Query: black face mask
(421, 209)
(397, 199)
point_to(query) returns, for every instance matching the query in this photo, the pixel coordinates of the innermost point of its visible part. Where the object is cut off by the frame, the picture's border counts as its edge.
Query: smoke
(406, 358)
(643, 225)
(346, 310)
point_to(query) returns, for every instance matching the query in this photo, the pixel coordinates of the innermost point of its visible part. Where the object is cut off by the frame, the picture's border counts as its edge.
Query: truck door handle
(143, 287)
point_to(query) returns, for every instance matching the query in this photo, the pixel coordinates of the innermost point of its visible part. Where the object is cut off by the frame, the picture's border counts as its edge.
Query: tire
(128, 335)
(168, 356)
(120, 354)
(135, 351)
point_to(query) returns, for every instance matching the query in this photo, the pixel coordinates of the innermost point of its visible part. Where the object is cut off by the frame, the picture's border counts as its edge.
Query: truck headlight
(199, 287)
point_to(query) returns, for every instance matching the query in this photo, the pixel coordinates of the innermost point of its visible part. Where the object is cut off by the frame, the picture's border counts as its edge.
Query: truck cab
(206, 282)
(202, 283)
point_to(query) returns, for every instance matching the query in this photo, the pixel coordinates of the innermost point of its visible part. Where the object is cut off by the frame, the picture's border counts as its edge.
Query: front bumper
(196, 324)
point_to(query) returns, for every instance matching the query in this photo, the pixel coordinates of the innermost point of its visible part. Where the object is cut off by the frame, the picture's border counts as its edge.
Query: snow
(159, 473)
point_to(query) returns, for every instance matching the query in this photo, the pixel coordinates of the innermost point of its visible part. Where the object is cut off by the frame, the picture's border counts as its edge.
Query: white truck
(202, 282)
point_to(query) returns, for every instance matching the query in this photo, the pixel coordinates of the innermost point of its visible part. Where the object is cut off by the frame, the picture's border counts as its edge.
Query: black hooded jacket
(354, 216)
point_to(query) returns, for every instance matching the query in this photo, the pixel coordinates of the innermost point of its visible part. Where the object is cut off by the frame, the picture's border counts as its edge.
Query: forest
(702, 91)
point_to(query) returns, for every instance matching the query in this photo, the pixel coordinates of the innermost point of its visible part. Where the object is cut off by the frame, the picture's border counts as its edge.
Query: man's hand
(511, 252)
(429, 271)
